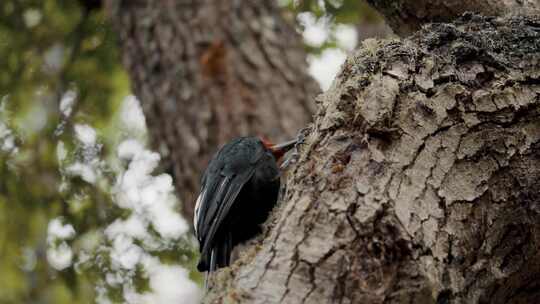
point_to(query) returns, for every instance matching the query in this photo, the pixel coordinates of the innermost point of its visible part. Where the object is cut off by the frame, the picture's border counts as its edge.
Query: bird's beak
(280, 149)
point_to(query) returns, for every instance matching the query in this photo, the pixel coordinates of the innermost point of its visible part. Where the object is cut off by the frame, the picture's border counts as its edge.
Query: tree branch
(419, 181)
(407, 16)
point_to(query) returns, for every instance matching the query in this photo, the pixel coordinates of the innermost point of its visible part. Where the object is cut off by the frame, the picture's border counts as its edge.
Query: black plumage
(239, 189)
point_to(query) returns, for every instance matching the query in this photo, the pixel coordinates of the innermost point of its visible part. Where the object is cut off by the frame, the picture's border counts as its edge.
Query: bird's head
(278, 150)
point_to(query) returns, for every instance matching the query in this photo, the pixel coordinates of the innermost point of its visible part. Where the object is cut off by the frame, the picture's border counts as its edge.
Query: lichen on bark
(419, 181)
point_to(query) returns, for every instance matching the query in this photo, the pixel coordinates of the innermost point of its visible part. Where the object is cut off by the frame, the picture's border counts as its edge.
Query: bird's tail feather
(211, 268)
(220, 256)
(213, 260)
(225, 258)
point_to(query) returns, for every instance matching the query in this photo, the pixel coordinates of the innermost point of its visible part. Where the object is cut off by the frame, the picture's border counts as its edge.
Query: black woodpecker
(239, 189)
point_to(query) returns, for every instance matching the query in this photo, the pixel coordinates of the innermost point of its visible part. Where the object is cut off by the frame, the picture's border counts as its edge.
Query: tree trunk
(207, 71)
(407, 16)
(419, 181)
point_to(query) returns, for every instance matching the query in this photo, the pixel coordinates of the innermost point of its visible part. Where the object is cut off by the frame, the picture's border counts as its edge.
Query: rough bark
(419, 181)
(207, 71)
(407, 16)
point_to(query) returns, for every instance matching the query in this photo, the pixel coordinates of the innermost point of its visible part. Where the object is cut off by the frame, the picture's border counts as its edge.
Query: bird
(238, 191)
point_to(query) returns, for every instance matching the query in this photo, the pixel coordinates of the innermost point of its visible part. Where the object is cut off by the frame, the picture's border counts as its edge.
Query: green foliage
(55, 51)
(334, 13)
(48, 47)
(340, 11)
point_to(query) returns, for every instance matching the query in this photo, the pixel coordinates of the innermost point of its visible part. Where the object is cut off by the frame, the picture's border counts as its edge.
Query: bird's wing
(215, 201)
(197, 211)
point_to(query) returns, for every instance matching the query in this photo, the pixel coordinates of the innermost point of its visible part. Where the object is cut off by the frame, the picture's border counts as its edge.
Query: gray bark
(407, 16)
(208, 71)
(371, 24)
(419, 181)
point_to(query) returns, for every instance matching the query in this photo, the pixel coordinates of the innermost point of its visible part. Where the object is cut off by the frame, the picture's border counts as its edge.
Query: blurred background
(80, 191)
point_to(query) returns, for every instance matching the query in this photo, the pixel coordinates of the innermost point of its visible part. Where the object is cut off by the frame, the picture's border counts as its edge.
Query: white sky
(153, 223)
(325, 66)
(59, 254)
